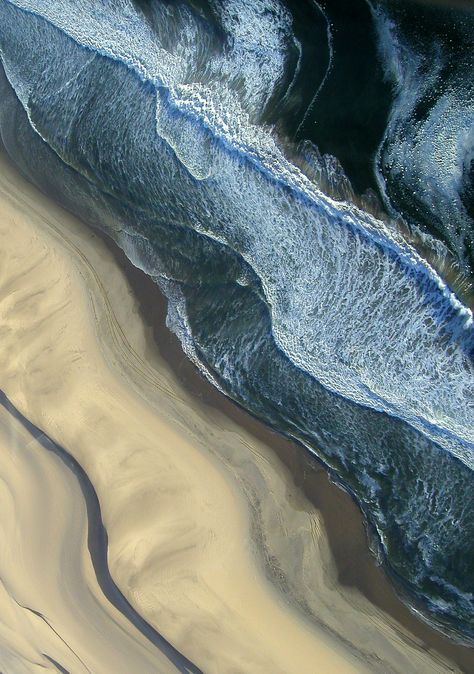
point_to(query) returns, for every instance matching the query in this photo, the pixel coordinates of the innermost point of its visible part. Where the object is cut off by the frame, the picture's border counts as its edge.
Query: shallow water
(153, 122)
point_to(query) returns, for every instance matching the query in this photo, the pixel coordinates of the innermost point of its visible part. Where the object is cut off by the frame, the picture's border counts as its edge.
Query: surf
(212, 142)
(149, 126)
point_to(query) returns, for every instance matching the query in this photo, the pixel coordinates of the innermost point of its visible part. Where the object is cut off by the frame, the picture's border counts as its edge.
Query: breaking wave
(148, 120)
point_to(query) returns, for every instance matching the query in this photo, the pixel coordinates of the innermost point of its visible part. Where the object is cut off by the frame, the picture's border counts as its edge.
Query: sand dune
(201, 517)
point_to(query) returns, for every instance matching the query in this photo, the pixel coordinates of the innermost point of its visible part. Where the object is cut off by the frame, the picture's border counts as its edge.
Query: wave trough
(147, 120)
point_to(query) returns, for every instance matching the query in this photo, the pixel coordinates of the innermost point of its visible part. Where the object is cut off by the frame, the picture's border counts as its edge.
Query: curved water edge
(308, 311)
(442, 320)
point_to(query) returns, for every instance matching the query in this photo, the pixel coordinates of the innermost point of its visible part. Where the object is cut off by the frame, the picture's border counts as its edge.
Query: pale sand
(187, 497)
(50, 602)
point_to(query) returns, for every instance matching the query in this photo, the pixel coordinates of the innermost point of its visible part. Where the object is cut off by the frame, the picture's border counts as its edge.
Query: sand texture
(216, 562)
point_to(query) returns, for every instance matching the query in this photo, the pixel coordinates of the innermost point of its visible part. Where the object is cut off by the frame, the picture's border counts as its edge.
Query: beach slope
(216, 561)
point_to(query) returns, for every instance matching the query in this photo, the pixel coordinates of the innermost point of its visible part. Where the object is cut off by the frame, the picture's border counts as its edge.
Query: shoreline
(180, 521)
(335, 504)
(225, 537)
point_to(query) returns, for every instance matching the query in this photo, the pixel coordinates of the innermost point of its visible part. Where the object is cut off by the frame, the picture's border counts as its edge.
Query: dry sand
(51, 606)
(209, 539)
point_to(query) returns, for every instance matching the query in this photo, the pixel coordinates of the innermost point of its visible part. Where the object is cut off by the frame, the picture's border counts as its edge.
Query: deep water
(425, 161)
(173, 127)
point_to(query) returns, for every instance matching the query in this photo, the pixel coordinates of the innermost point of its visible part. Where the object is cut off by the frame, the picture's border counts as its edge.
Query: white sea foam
(351, 302)
(328, 69)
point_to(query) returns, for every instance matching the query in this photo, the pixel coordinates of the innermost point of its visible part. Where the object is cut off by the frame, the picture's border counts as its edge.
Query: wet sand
(344, 523)
(226, 539)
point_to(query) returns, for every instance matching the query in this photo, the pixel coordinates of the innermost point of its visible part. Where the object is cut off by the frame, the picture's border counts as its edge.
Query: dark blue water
(174, 127)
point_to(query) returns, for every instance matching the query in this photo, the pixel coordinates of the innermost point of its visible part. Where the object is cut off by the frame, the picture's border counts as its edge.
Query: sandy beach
(233, 548)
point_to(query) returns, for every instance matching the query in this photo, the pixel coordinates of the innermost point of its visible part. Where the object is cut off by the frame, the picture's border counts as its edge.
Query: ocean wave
(149, 125)
(383, 281)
